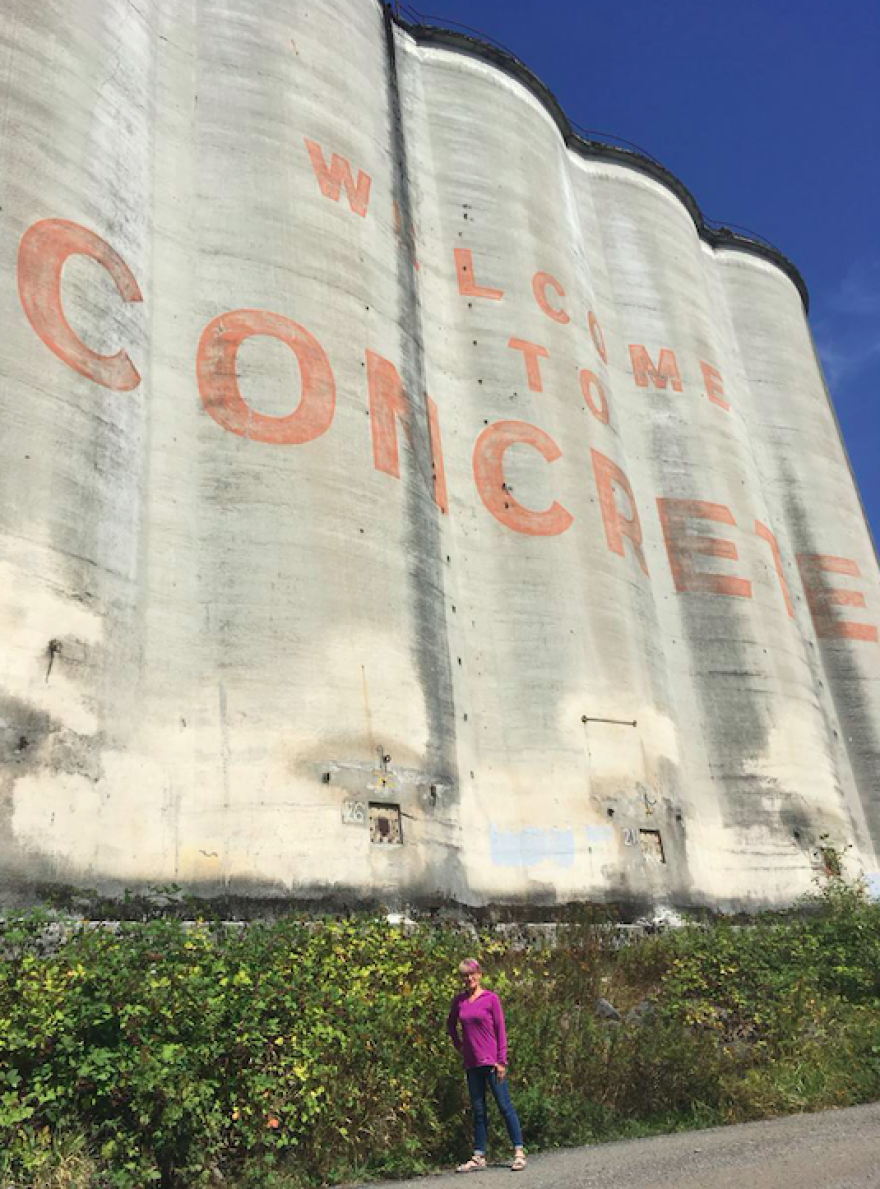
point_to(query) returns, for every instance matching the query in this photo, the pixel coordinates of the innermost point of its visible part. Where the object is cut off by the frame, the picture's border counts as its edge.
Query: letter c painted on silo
(45, 247)
(218, 380)
(494, 492)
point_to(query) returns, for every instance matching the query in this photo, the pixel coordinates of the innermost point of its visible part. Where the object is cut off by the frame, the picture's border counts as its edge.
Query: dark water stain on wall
(846, 682)
(733, 720)
(33, 742)
(426, 576)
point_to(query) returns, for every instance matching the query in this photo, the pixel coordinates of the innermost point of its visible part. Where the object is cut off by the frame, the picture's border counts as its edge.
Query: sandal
(519, 1162)
(477, 1163)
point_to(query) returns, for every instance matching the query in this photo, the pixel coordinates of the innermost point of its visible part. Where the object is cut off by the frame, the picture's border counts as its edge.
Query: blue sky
(769, 111)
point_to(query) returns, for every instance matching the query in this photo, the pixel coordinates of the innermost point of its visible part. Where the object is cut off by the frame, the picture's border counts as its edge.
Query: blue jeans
(478, 1079)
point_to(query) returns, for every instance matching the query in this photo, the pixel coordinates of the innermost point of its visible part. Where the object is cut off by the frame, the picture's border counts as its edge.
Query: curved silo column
(728, 635)
(75, 256)
(552, 624)
(827, 551)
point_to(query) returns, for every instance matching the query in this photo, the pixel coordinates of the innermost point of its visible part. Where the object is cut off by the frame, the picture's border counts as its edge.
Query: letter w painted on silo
(333, 178)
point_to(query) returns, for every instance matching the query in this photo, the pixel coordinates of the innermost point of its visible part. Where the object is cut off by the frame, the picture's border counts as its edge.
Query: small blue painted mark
(534, 844)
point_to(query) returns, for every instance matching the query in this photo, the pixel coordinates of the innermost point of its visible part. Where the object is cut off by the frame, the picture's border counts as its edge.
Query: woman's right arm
(452, 1025)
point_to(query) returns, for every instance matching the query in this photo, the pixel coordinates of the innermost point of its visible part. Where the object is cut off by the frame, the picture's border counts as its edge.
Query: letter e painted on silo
(45, 247)
(822, 598)
(714, 385)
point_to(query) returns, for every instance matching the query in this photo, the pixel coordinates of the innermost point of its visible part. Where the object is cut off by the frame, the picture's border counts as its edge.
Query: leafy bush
(304, 1052)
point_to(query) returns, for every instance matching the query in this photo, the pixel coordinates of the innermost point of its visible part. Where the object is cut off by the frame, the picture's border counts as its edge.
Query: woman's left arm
(500, 1031)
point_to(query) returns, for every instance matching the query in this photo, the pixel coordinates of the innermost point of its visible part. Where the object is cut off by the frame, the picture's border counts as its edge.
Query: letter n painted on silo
(389, 403)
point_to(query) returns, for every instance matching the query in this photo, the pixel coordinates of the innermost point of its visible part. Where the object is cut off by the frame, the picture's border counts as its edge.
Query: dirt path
(831, 1150)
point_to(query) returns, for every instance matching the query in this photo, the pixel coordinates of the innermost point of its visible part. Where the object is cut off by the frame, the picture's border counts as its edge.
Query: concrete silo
(403, 499)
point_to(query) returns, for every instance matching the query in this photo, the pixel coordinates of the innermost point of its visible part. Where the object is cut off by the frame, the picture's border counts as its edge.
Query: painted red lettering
(589, 384)
(389, 403)
(494, 492)
(218, 379)
(541, 282)
(714, 385)
(645, 371)
(822, 599)
(767, 535)
(532, 352)
(41, 256)
(338, 176)
(617, 526)
(684, 547)
(597, 336)
(467, 282)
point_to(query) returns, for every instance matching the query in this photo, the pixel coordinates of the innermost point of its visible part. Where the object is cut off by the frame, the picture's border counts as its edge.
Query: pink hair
(470, 966)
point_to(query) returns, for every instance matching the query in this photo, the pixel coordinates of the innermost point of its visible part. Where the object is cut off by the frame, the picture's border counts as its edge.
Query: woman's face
(470, 980)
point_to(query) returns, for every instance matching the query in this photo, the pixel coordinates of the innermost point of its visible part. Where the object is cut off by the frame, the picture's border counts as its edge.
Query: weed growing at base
(302, 1052)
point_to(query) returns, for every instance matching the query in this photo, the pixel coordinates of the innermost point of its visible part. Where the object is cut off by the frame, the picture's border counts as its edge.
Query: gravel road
(831, 1150)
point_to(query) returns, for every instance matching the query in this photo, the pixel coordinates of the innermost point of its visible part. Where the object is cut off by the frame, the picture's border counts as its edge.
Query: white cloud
(847, 329)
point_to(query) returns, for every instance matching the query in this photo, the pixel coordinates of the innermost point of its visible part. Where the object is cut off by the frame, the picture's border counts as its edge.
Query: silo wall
(403, 500)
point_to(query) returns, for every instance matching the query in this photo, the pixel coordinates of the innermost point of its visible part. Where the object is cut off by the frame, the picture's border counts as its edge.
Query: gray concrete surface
(831, 1150)
(437, 535)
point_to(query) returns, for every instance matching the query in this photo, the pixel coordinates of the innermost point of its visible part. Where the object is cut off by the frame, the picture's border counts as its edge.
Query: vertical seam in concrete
(431, 646)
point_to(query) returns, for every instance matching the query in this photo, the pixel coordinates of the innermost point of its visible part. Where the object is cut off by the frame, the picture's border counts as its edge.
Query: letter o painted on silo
(218, 379)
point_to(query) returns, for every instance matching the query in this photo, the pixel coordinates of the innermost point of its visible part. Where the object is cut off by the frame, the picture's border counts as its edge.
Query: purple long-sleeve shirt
(483, 1039)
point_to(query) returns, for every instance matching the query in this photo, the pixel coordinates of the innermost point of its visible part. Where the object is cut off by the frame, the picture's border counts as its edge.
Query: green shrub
(305, 1052)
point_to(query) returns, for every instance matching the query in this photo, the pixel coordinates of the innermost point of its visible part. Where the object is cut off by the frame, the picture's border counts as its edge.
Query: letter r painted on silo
(683, 547)
(489, 452)
(389, 403)
(45, 248)
(220, 392)
(336, 176)
(617, 527)
(822, 598)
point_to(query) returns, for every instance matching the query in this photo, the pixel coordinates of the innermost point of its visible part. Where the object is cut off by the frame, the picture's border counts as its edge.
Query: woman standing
(483, 1045)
